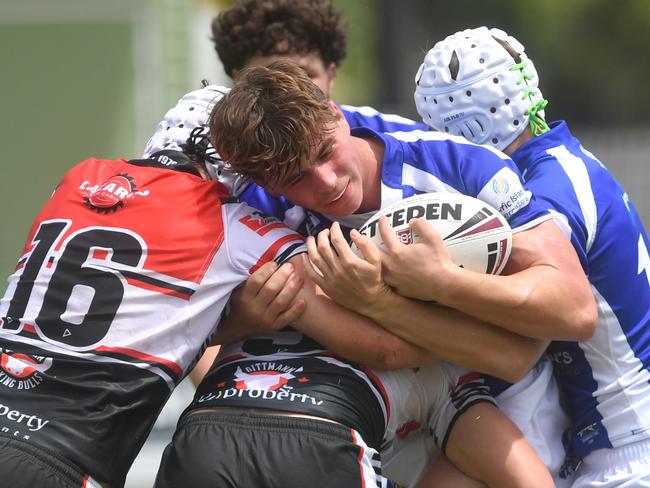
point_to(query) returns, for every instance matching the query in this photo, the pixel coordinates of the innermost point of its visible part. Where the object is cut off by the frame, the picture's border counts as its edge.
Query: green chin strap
(537, 124)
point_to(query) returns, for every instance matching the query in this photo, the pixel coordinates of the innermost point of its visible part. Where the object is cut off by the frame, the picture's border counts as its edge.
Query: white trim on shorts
(621, 467)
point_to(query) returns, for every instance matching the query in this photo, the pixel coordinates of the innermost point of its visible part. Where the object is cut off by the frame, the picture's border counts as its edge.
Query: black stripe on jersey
(288, 253)
(135, 360)
(156, 282)
(169, 159)
(37, 351)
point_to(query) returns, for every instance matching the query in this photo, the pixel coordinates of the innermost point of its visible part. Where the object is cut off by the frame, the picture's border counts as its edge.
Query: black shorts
(23, 465)
(247, 449)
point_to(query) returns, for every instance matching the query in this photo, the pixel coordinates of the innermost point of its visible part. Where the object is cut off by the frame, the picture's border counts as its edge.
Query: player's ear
(340, 117)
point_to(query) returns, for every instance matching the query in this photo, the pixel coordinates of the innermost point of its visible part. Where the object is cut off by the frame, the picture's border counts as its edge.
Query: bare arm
(450, 335)
(545, 294)
(204, 364)
(273, 298)
(459, 338)
(353, 336)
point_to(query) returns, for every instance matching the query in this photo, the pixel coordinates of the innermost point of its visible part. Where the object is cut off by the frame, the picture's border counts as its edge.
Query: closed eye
(325, 151)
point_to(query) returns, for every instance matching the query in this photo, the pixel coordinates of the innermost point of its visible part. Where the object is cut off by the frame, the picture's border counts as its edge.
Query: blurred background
(81, 78)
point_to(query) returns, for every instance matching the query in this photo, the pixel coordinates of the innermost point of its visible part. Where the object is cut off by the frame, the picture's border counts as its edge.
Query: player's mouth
(340, 195)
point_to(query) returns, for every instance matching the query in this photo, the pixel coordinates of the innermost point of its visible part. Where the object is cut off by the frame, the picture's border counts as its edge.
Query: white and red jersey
(121, 283)
(288, 371)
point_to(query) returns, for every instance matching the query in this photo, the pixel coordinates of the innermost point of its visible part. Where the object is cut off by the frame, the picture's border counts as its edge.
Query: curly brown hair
(270, 124)
(270, 27)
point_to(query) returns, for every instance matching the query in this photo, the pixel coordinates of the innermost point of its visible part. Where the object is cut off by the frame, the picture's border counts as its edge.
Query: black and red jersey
(121, 283)
(289, 372)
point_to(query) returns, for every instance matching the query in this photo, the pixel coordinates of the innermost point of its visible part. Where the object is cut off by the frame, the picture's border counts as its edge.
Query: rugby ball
(478, 236)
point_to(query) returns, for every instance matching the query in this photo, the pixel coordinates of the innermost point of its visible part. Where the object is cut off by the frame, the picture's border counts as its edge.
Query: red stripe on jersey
(260, 225)
(158, 289)
(29, 328)
(463, 380)
(359, 459)
(144, 357)
(100, 254)
(270, 253)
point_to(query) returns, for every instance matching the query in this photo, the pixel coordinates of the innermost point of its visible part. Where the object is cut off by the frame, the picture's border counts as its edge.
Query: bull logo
(21, 366)
(262, 380)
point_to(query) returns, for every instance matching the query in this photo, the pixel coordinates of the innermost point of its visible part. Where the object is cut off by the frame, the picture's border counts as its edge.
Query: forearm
(355, 337)
(454, 337)
(542, 293)
(538, 302)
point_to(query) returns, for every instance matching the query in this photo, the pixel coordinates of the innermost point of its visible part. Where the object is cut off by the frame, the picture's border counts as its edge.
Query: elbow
(522, 359)
(388, 360)
(394, 356)
(518, 367)
(584, 320)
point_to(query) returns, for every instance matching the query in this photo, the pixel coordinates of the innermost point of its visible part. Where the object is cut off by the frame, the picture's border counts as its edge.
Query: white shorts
(621, 467)
(533, 404)
(409, 458)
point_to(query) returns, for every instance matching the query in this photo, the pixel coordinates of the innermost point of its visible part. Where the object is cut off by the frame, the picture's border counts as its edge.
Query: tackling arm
(545, 294)
(450, 335)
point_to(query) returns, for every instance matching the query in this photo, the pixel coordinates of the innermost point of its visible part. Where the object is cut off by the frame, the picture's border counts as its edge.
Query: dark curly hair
(267, 27)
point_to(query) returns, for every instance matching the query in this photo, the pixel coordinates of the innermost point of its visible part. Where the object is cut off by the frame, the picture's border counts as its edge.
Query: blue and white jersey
(426, 161)
(372, 119)
(606, 379)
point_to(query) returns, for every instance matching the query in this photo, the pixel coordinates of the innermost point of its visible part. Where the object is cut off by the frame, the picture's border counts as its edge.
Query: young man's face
(334, 182)
(321, 75)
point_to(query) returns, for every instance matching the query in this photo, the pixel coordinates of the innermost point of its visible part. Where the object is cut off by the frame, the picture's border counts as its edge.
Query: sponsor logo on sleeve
(500, 186)
(505, 193)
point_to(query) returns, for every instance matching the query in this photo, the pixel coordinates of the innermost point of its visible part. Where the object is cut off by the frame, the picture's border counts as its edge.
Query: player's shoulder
(265, 237)
(442, 140)
(365, 116)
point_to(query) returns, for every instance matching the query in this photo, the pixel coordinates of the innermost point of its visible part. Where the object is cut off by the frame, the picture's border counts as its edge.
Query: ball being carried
(477, 235)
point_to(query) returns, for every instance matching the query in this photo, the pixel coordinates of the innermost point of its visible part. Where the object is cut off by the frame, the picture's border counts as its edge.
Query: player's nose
(325, 178)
